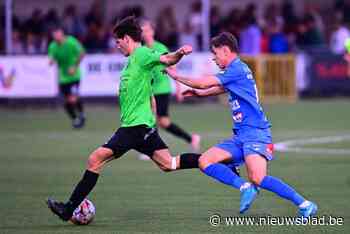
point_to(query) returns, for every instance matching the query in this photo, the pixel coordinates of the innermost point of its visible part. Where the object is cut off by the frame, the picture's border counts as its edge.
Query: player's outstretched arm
(217, 90)
(175, 57)
(204, 82)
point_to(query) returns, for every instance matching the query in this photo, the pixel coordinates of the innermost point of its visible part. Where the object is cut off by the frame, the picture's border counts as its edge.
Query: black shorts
(70, 89)
(142, 138)
(162, 104)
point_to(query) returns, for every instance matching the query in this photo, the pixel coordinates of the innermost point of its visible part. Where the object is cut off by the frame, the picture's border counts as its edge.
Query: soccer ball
(84, 213)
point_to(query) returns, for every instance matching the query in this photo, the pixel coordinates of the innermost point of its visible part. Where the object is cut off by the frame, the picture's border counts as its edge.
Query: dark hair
(128, 26)
(225, 39)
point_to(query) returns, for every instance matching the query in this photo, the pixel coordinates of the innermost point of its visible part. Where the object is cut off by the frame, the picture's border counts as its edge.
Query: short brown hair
(128, 26)
(225, 39)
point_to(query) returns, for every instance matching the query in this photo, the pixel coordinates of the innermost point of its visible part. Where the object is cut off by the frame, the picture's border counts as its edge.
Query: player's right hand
(72, 70)
(185, 50)
(190, 93)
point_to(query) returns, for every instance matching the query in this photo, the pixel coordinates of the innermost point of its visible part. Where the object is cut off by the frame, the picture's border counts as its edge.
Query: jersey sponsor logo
(270, 148)
(235, 105)
(238, 117)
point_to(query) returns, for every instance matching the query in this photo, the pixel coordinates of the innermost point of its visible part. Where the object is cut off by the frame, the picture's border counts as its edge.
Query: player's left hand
(185, 50)
(191, 93)
(72, 70)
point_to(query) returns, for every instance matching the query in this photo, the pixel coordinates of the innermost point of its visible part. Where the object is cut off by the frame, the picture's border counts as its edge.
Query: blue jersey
(237, 80)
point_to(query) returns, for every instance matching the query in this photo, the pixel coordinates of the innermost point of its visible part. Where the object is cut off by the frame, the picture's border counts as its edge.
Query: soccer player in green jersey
(67, 52)
(162, 89)
(347, 53)
(138, 122)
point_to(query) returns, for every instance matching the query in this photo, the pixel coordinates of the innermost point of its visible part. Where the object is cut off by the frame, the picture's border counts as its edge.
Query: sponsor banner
(31, 76)
(328, 75)
(26, 76)
(101, 75)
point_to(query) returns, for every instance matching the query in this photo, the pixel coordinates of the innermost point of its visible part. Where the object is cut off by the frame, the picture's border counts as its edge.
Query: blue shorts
(248, 141)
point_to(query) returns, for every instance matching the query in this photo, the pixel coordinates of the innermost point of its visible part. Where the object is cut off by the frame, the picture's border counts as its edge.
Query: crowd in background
(278, 30)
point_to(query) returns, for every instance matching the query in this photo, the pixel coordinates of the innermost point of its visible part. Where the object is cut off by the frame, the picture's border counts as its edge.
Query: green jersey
(347, 45)
(135, 88)
(66, 55)
(161, 83)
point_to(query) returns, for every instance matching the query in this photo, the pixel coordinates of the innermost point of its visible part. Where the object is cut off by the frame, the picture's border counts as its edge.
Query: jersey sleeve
(79, 49)
(151, 59)
(230, 76)
(50, 51)
(226, 77)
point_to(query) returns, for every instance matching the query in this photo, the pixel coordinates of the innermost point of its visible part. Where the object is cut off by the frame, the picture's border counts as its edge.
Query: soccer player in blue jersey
(252, 140)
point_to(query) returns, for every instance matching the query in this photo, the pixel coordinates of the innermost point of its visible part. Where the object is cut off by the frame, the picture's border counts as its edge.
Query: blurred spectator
(96, 40)
(344, 5)
(51, 19)
(187, 36)
(309, 37)
(215, 21)
(314, 11)
(232, 22)
(280, 24)
(35, 24)
(273, 15)
(167, 29)
(17, 43)
(290, 27)
(195, 20)
(136, 10)
(95, 14)
(339, 35)
(265, 40)
(72, 23)
(278, 43)
(32, 44)
(250, 36)
(289, 17)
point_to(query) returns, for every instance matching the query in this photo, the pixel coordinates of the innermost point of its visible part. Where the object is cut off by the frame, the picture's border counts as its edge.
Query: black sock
(177, 131)
(83, 188)
(189, 160)
(80, 108)
(70, 110)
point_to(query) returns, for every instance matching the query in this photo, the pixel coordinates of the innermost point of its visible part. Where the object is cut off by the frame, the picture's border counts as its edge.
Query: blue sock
(224, 174)
(282, 189)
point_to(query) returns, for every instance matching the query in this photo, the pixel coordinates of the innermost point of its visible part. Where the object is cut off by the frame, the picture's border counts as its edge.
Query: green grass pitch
(42, 156)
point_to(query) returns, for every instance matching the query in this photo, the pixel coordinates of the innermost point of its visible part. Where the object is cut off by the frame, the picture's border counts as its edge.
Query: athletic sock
(70, 110)
(224, 174)
(83, 188)
(177, 131)
(189, 160)
(282, 189)
(79, 107)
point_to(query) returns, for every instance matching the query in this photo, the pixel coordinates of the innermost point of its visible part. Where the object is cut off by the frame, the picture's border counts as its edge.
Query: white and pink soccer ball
(84, 213)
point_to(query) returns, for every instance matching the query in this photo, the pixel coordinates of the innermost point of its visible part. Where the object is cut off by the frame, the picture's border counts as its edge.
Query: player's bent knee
(165, 167)
(256, 178)
(204, 162)
(163, 122)
(72, 99)
(96, 160)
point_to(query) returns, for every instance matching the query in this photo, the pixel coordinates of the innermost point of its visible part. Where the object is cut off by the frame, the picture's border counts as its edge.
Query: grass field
(42, 156)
